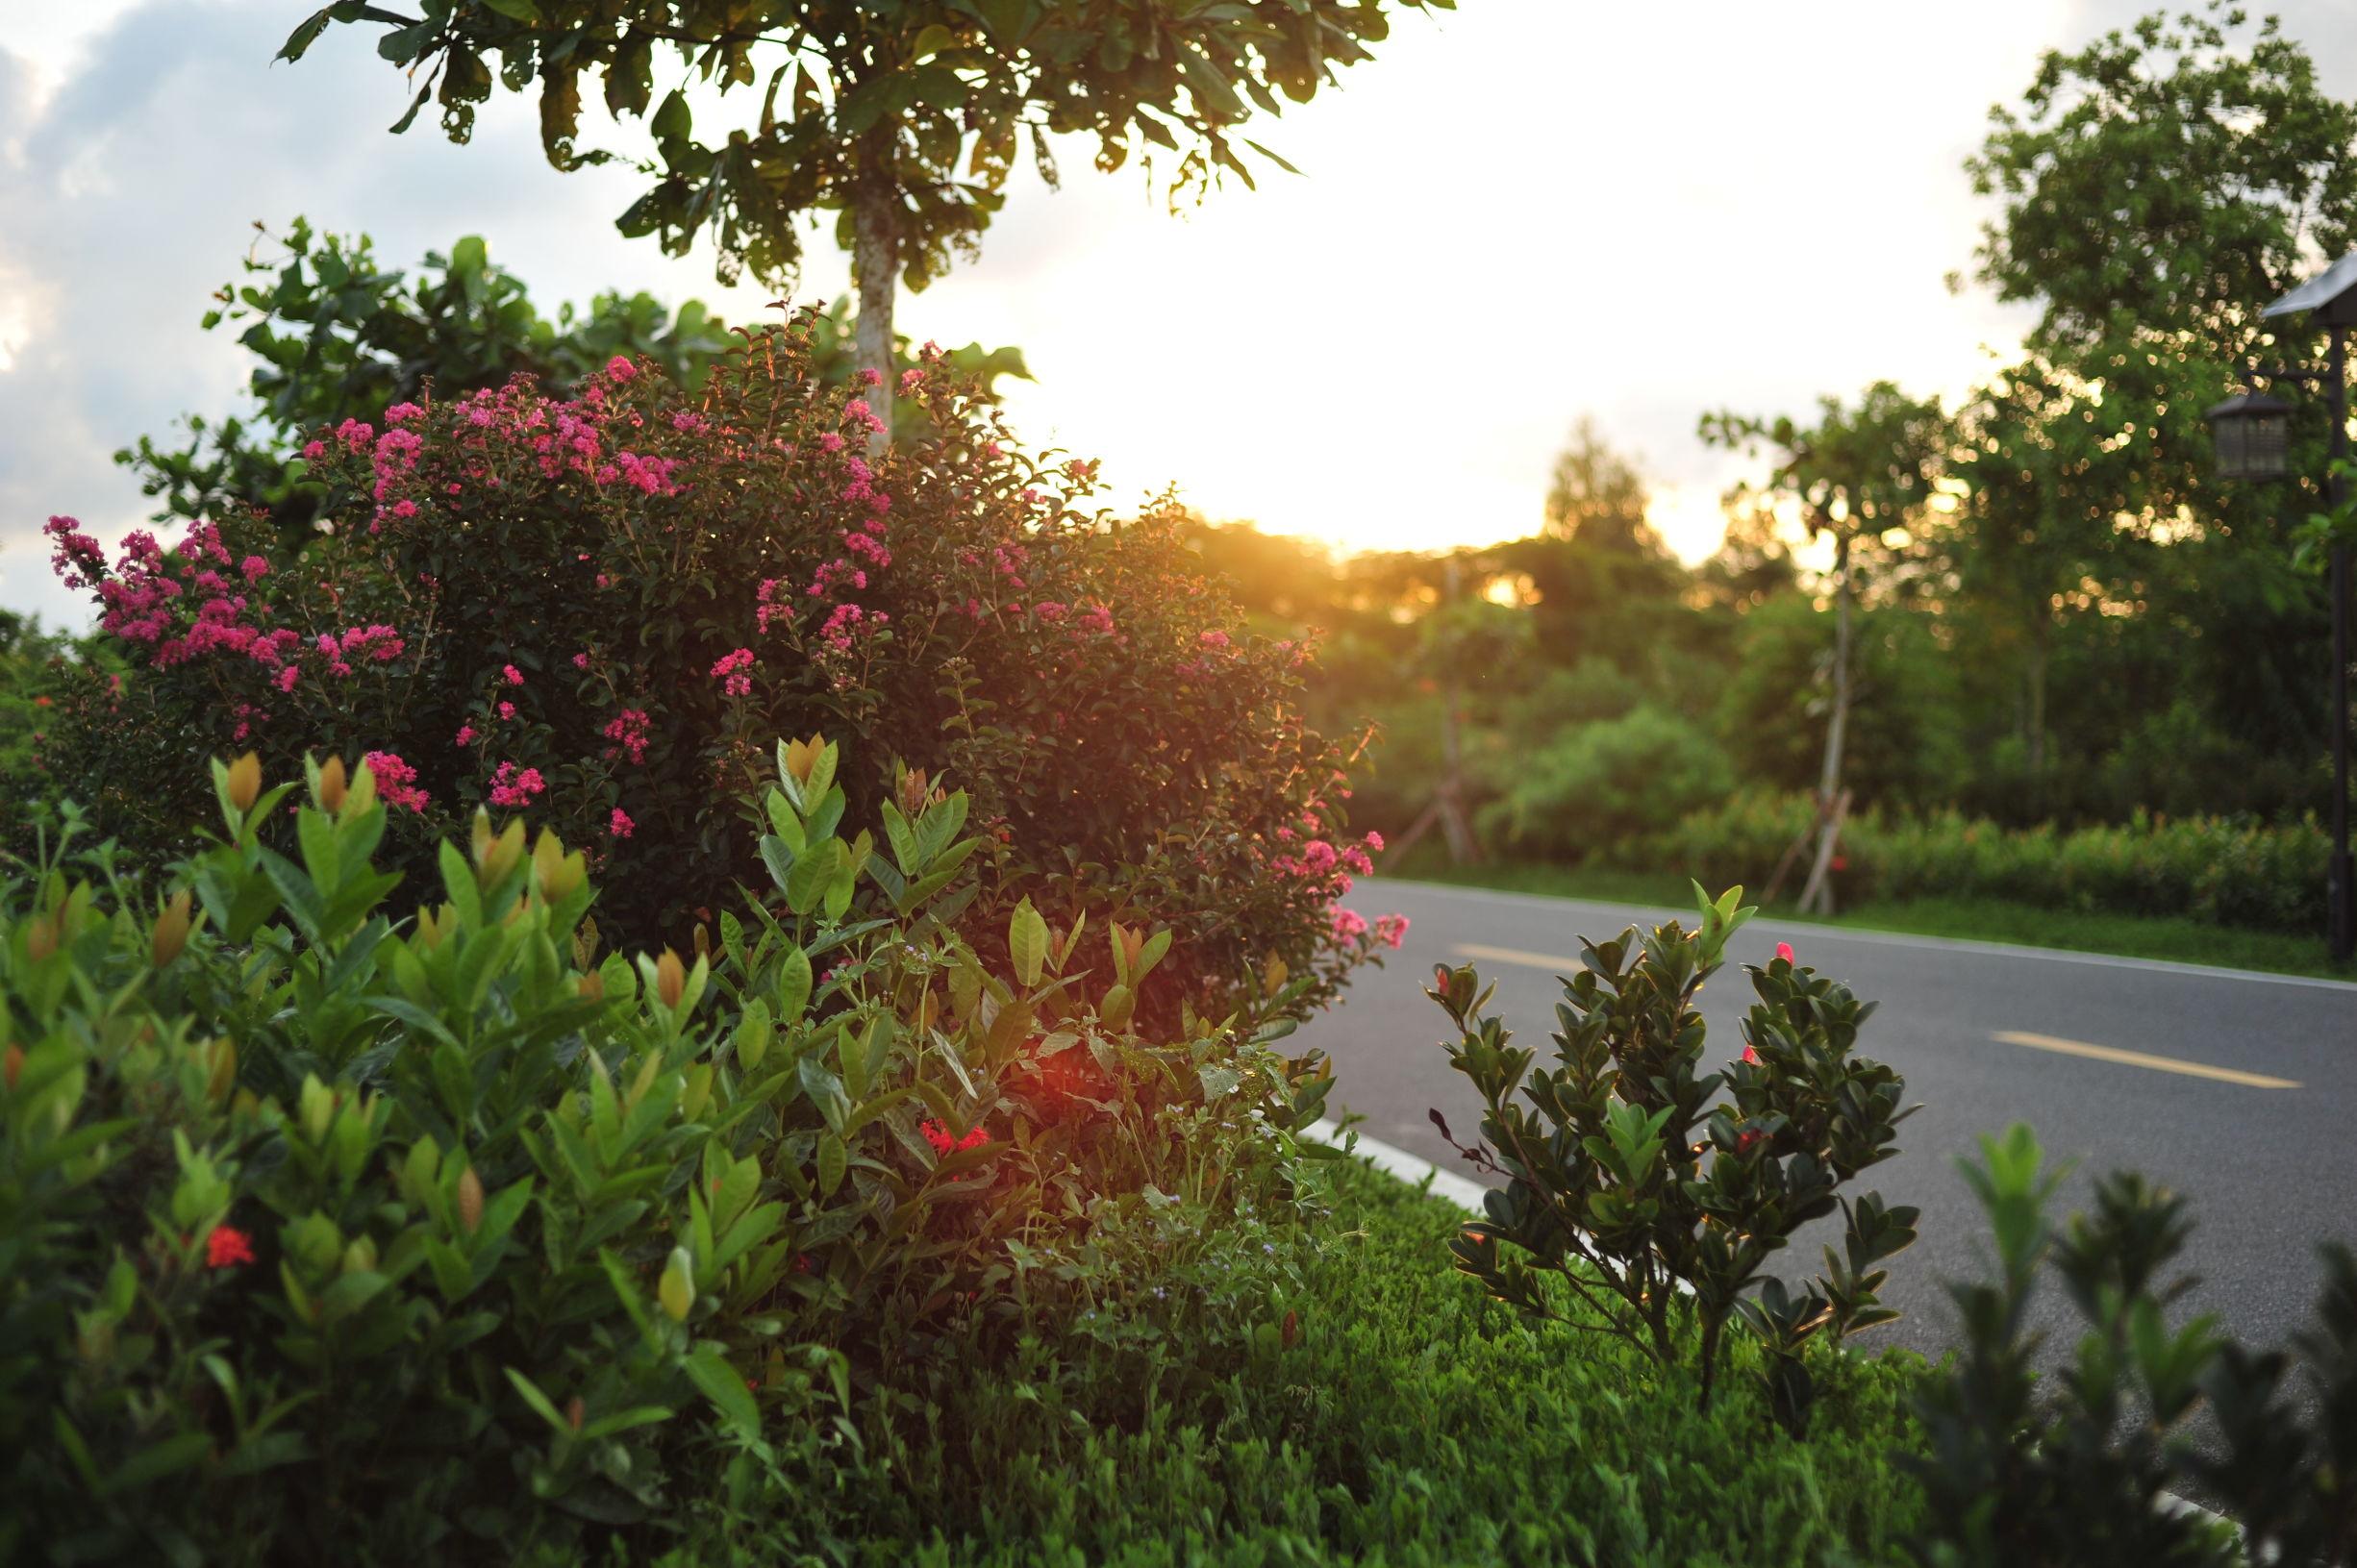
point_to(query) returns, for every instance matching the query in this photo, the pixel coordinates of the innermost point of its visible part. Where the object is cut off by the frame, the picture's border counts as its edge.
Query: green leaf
(1027, 942)
(723, 1385)
(832, 1161)
(522, 11)
(1219, 1080)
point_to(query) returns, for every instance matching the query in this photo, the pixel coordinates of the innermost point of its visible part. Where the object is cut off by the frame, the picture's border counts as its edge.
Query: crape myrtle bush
(602, 609)
(338, 1233)
(2219, 869)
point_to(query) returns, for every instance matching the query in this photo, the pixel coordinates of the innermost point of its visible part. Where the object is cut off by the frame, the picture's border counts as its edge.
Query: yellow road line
(1515, 955)
(2138, 1058)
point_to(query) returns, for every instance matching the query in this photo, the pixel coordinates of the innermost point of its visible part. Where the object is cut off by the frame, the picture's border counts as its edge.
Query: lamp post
(2252, 435)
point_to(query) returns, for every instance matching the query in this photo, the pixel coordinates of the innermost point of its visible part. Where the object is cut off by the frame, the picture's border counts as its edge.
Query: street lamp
(2252, 435)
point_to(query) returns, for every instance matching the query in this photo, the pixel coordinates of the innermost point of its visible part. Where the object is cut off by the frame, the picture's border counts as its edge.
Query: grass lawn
(1979, 919)
(1410, 1422)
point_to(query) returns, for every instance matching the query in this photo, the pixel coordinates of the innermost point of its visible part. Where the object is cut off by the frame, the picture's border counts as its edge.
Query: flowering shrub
(599, 608)
(334, 1234)
(1626, 1184)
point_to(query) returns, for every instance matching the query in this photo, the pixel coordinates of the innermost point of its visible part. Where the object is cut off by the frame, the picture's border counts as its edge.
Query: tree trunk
(2038, 718)
(1817, 898)
(876, 266)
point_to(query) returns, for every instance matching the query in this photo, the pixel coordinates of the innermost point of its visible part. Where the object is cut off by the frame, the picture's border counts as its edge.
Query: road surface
(2236, 1089)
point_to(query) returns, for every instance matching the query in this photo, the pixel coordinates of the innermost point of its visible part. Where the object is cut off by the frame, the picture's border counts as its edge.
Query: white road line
(1463, 1191)
(1794, 929)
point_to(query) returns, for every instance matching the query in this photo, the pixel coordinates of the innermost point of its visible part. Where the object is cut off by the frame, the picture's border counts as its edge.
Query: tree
(1864, 475)
(338, 335)
(902, 117)
(2156, 189)
(2029, 534)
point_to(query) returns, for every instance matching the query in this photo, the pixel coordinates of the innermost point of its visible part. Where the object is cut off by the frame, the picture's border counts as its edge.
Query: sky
(1517, 214)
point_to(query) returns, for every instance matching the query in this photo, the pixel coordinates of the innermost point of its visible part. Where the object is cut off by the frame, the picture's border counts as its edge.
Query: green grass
(1411, 1422)
(2174, 938)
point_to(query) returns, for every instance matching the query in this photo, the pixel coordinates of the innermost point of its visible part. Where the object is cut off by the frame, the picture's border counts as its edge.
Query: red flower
(1840, 862)
(228, 1245)
(1750, 1055)
(945, 1142)
(1746, 1139)
(1783, 951)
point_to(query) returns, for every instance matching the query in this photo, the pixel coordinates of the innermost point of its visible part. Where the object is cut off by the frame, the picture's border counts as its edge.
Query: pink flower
(627, 730)
(507, 711)
(396, 781)
(512, 787)
(1390, 929)
(512, 675)
(620, 368)
(1783, 951)
(466, 736)
(1213, 639)
(1374, 843)
(729, 669)
(870, 376)
(1348, 925)
(619, 824)
(1750, 1055)
(581, 661)
(255, 568)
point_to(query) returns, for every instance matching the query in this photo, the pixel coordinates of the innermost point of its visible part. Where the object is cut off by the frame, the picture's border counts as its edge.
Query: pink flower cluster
(619, 824)
(627, 730)
(730, 670)
(513, 788)
(1348, 925)
(397, 782)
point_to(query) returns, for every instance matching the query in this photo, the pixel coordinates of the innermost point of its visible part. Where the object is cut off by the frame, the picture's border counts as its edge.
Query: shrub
(2228, 872)
(332, 1235)
(2073, 1469)
(601, 608)
(1624, 1182)
(1604, 781)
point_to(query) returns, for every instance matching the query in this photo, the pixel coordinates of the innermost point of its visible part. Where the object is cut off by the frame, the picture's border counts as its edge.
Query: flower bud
(41, 935)
(317, 1107)
(678, 1288)
(496, 857)
(245, 782)
(555, 873)
(329, 794)
(359, 1258)
(470, 1199)
(11, 1064)
(575, 1412)
(220, 1059)
(591, 986)
(671, 978)
(912, 788)
(801, 757)
(171, 932)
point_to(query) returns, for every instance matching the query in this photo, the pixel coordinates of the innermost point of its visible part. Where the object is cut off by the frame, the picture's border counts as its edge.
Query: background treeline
(2058, 617)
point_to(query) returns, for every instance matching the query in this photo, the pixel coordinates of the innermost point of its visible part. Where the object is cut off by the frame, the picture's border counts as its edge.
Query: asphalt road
(2270, 1170)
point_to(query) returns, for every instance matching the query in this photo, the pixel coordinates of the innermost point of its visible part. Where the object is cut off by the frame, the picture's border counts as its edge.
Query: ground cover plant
(1391, 1413)
(332, 1230)
(604, 607)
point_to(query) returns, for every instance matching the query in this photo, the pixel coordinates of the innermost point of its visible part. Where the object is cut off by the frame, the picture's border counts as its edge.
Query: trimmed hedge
(2226, 871)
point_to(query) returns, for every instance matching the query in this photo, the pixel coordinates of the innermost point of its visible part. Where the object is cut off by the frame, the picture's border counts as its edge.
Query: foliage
(336, 1234)
(338, 336)
(2226, 871)
(903, 121)
(1606, 781)
(1627, 1187)
(34, 676)
(600, 608)
(2069, 1469)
